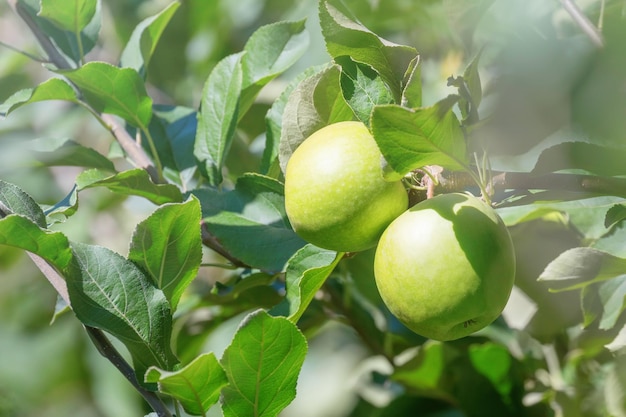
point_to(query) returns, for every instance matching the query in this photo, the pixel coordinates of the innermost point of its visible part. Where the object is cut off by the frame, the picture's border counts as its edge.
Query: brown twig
(134, 151)
(583, 22)
(213, 243)
(53, 277)
(585, 184)
(106, 349)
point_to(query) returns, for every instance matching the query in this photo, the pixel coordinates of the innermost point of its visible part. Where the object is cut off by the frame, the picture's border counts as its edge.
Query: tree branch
(589, 185)
(583, 22)
(101, 342)
(134, 151)
(211, 242)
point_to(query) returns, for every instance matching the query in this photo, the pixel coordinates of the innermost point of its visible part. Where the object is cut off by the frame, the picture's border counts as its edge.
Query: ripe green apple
(335, 193)
(445, 268)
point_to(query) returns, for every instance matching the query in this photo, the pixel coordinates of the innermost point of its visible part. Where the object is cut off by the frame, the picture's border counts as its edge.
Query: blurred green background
(531, 48)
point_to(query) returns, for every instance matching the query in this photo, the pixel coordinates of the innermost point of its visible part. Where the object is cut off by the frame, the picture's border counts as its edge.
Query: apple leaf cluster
(217, 245)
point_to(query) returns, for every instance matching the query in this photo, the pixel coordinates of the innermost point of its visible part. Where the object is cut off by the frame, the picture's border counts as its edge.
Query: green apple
(446, 267)
(335, 193)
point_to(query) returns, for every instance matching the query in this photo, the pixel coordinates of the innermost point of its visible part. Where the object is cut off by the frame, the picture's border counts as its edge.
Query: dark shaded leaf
(250, 222)
(143, 41)
(345, 37)
(615, 215)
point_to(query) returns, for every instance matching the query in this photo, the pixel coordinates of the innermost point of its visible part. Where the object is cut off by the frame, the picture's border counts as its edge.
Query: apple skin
(335, 194)
(446, 267)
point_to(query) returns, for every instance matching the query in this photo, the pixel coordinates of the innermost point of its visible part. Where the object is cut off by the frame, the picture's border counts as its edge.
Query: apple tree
(175, 176)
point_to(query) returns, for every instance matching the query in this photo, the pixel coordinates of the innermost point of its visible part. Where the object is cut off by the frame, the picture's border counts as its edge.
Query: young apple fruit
(335, 193)
(445, 268)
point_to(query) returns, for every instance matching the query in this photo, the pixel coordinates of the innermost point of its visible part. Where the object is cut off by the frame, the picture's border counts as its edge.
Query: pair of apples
(444, 267)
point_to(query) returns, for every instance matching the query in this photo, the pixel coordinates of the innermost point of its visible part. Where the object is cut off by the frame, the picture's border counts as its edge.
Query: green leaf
(111, 293)
(618, 344)
(109, 89)
(13, 200)
(470, 91)
(606, 299)
(218, 116)
(197, 385)
(412, 85)
(173, 129)
(579, 267)
(250, 222)
(167, 245)
(66, 152)
(64, 208)
(143, 41)
(132, 182)
(306, 272)
(274, 123)
(411, 139)
(52, 89)
(315, 103)
(588, 157)
(20, 232)
(75, 44)
(425, 372)
(255, 286)
(262, 364)
(270, 51)
(345, 37)
(493, 361)
(72, 16)
(615, 215)
(587, 215)
(362, 88)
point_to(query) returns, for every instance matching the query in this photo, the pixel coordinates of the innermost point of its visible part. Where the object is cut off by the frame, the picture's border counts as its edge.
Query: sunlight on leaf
(262, 364)
(72, 15)
(218, 116)
(114, 90)
(167, 245)
(411, 139)
(197, 385)
(306, 272)
(132, 182)
(52, 89)
(20, 232)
